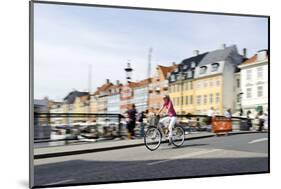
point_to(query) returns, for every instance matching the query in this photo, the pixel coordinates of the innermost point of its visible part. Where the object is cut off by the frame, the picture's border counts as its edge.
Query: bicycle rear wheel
(178, 136)
(152, 138)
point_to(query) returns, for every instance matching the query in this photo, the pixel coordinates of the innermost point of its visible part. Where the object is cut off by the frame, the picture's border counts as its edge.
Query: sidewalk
(55, 151)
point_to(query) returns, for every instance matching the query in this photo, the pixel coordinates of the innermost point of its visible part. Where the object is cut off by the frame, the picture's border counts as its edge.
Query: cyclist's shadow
(183, 146)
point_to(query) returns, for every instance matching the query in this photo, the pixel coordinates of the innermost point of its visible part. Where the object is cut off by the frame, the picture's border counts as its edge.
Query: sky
(68, 39)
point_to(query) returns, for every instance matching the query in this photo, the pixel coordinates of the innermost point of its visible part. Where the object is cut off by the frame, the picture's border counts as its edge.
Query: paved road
(209, 156)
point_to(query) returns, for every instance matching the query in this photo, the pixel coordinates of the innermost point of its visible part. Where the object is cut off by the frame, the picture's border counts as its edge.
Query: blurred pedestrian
(249, 120)
(131, 121)
(210, 115)
(260, 118)
(140, 118)
(265, 123)
(228, 113)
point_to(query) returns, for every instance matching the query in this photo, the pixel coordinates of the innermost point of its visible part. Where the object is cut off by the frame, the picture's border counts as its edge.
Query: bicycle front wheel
(178, 136)
(152, 138)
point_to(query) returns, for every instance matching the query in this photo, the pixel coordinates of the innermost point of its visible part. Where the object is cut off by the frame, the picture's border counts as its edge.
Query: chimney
(196, 52)
(117, 82)
(262, 55)
(174, 63)
(244, 52)
(107, 81)
(223, 46)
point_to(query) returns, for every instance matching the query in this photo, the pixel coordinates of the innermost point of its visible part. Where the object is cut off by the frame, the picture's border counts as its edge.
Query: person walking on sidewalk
(260, 118)
(167, 103)
(140, 117)
(131, 121)
(210, 115)
(228, 113)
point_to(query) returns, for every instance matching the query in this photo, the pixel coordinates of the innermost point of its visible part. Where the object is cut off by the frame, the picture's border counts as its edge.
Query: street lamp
(128, 71)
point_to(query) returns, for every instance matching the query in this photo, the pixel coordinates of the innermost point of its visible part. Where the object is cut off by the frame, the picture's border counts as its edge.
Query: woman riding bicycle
(171, 115)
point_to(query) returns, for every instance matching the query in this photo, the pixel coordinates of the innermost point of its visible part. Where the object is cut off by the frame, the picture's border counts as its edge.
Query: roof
(144, 82)
(193, 59)
(217, 55)
(103, 88)
(72, 95)
(254, 58)
(251, 60)
(186, 65)
(165, 70)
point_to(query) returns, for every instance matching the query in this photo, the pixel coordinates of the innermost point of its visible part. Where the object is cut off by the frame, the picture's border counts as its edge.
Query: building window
(215, 67)
(186, 86)
(205, 99)
(249, 75)
(238, 83)
(178, 88)
(205, 84)
(203, 69)
(218, 83)
(260, 91)
(186, 99)
(211, 83)
(238, 98)
(191, 100)
(249, 92)
(189, 74)
(217, 98)
(191, 85)
(211, 98)
(198, 84)
(199, 99)
(260, 72)
(173, 78)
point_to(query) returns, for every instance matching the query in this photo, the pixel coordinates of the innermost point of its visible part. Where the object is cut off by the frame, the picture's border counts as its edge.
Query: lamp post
(128, 71)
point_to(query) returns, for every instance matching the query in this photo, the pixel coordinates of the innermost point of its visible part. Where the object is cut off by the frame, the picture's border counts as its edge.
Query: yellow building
(181, 84)
(215, 80)
(208, 93)
(206, 80)
(182, 93)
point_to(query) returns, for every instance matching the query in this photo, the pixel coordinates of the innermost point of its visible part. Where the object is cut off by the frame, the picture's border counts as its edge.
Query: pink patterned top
(170, 107)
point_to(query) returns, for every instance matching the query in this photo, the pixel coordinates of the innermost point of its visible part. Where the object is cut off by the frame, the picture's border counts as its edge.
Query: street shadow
(76, 172)
(183, 146)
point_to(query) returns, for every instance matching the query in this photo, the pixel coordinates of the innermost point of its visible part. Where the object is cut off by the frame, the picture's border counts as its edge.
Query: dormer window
(203, 69)
(193, 65)
(215, 67)
(173, 78)
(189, 74)
(185, 67)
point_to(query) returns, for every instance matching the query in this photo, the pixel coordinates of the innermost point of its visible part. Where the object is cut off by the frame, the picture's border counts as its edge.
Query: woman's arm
(160, 109)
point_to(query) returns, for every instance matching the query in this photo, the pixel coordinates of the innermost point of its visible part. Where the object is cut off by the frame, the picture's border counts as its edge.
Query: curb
(59, 154)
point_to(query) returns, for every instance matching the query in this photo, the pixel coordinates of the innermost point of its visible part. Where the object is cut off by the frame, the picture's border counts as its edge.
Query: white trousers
(172, 121)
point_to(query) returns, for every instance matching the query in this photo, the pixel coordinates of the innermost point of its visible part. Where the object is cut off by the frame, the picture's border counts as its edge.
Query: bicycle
(153, 135)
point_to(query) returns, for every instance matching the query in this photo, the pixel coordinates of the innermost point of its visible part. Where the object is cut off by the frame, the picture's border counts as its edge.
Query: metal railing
(72, 126)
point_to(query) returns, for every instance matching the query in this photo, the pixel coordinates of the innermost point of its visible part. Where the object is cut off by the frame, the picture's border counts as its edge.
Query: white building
(254, 82)
(113, 103)
(140, 98)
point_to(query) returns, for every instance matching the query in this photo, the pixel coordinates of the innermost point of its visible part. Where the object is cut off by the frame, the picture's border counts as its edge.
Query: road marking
(60, 182)
(202, 152)
(258, 140)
